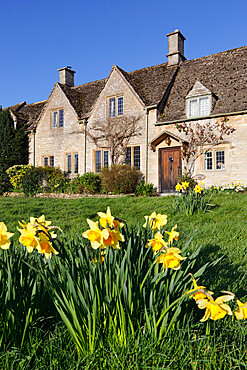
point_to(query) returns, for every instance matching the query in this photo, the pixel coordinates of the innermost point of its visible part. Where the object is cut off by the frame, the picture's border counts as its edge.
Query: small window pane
(193, 108)
(112, 112)
(120, 106)
(204, 106)
(76, 166)
(54, 119)
(61, 115)
(106, 158)
(45, 161)
(128, 156)
(208, 161)
(220, 160)
(69, 163)
(137, 157)
(98, 161)
(51, 161)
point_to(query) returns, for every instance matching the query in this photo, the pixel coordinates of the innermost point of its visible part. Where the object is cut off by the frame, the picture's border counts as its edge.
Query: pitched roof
(224, 74)
(30, 113)
(15, 108)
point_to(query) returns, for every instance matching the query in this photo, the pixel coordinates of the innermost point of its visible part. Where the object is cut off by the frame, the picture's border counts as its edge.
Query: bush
(89, 183)
(54, 179)
(32, 181)
(16, 173)
(145, 189)
(119, 179)
(186, 177)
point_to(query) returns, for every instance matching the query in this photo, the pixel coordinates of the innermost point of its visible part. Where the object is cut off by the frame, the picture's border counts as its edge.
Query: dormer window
(198, 101)
(115, 106)
(199, 106)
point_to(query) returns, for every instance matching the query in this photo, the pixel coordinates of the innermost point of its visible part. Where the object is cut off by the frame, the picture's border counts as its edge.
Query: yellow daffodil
(114, 237)
(197, 293)
(171, 258)
(45, 246)
(185, 184)
(217, 309)
(155, 221)
(241, 312)
(106, 219)
(157, 243)
(198, 189)
(39, 221)
(28, 237)
(4, 236)
(178, 187)
(95, 235)
(173, 235)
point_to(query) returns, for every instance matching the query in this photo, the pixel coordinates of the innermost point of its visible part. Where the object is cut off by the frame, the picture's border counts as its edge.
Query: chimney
(66, 76)
(175, 48)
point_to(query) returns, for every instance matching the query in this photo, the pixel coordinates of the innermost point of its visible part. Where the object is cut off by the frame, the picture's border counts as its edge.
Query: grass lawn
(211, 345)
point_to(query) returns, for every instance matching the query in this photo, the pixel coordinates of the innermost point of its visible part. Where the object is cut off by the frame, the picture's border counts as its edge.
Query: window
(198, 107)
(220, 160)
(58, 118)
(132, 156)
(48, 161)
(68, 163)
(54, 119)
(214, 160)
(208, 161)
(76, 163)
(116, 106)
(101, 159)
(61, 118)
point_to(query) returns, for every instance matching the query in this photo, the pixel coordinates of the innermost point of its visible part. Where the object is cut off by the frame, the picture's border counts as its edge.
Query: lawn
(195, 345)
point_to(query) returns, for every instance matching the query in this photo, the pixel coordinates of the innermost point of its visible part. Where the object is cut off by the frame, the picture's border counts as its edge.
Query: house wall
(117, 86)
(58, 141)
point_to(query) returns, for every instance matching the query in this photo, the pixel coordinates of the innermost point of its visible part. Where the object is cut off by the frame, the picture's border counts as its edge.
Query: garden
(124, 282)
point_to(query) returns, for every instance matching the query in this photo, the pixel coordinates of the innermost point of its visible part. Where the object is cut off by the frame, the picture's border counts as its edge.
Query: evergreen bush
(119, 179)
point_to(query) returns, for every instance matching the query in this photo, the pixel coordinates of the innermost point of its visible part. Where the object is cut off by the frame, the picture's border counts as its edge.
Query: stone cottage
(202, 90)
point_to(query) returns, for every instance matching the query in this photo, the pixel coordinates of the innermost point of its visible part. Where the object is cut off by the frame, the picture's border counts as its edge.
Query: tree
(201, 138)
(115, 134)
(13, 146)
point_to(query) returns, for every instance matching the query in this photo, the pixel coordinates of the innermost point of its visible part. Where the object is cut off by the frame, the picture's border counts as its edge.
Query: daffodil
(113, 239)
(178, 187)
(106, 219)
(96, 235)
(198, 189)
(39, 221)
(197, 291)
(4, 236)
(241, 312)
(171, 258)
(217, 309)
(173, 235)
(185, 184)
(155, 221)
(45, 246)
(157, 243)
(28, 237)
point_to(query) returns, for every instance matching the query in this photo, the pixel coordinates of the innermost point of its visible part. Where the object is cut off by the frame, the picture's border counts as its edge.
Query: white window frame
(198, 100)
(47, 158)
(214, 152)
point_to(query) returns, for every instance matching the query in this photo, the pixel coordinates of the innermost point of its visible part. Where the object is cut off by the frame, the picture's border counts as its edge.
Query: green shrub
(54, 180)
(145, 189)
(119, 179)
(16, 173)
(32, 181)
(89, 183)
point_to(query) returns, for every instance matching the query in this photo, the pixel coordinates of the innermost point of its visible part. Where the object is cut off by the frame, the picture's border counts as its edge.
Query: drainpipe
(85, 146)
(147, 109)
(33, 132)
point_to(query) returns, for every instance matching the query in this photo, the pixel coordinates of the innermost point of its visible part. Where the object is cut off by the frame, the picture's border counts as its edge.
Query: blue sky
(38, 37)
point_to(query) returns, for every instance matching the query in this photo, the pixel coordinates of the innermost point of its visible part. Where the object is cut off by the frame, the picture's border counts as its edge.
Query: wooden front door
(170, 167)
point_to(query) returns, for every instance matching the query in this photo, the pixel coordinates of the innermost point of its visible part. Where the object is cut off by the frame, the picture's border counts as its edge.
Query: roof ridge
(211, 55)
(87, 83)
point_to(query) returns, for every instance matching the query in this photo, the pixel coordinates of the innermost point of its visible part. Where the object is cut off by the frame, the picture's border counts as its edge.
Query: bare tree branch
(115, 134)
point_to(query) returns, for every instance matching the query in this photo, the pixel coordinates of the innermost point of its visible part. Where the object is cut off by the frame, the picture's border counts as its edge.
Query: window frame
(59, 121)
(118, 109)
(103, 160)
(131, 154)
(214, 160)
(198, 99)
(48, 159)
(73, 166)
